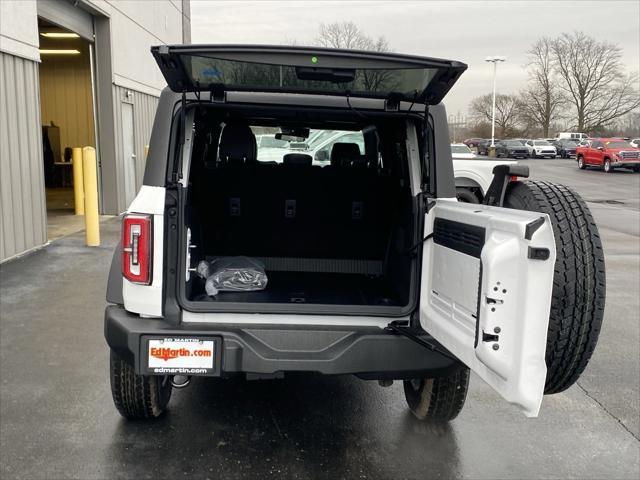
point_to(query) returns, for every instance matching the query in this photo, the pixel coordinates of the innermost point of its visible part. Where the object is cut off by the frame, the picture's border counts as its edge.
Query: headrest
(237, 144)
(343, 154)
(297, 159)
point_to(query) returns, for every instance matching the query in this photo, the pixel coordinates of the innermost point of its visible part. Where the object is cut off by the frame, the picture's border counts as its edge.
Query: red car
(608, 153)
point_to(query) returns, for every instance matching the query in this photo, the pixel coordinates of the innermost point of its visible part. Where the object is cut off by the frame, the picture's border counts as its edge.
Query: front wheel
(137, 396)
(607, 166)
(440, 399)
(581, 164)
(578, 297)
(466, 196)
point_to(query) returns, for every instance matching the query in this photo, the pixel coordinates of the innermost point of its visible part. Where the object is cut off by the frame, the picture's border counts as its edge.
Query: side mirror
(322, 156)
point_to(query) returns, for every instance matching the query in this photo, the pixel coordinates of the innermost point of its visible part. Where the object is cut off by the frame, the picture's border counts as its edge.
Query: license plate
(181, 356)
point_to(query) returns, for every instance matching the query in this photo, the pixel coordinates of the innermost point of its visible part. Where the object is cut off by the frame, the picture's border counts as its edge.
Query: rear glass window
(208, 72)
(319, 145)
(617, 144)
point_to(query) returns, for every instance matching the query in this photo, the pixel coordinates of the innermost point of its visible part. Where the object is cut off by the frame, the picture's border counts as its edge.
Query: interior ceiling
(78, 43)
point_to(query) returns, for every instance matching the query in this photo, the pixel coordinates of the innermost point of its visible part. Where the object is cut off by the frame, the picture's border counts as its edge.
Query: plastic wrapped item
(203, 269)
(233, 274)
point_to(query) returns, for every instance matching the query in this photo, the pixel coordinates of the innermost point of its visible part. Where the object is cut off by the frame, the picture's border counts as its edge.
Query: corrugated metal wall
(144, 110)
(23, 217)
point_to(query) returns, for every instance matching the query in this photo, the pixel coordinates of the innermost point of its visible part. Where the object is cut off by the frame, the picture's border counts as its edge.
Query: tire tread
(579, 285)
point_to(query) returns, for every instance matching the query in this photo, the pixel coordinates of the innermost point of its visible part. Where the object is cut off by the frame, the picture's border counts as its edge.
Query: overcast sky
(459, 30)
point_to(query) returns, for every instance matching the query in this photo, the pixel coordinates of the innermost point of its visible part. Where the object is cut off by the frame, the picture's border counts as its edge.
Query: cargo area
(331, 217)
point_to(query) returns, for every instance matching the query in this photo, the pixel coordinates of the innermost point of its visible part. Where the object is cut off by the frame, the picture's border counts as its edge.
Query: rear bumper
(266, 351)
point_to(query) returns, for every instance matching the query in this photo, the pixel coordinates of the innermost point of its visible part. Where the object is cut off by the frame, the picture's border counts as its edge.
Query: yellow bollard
(146, 152)
(78, 187)
(91, 218)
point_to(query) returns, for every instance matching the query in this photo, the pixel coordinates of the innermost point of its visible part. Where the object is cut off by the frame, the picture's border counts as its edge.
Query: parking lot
(58, 420)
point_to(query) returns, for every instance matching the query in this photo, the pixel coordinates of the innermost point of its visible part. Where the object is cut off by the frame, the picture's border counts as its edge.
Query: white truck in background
(473, 174)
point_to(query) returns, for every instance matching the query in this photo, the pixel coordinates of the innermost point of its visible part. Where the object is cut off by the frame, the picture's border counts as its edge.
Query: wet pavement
(57, 419)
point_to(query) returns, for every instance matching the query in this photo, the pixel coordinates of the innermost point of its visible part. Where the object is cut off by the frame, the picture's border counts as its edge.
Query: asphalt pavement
(57, 419)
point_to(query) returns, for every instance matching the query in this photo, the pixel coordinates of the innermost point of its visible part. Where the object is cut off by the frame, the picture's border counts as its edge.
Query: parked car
(608, 154)
(460, 150)
(511, 149)
(321, 146)
(635, 142)
(540, 148)
(271, 149)
(483, 146)
(365, 266)
(472, 142)
(566, 147)
(573, 135)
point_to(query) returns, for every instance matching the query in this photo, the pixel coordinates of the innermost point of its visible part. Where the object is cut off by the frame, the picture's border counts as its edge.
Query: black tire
(577, 303)
(581, 164)
(636, 168)
(466, 196)
(137, 396)
(440, 399)
(606, 166)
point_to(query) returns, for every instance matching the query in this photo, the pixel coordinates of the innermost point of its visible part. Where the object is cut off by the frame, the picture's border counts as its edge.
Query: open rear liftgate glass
(487, 271)
(220, 68)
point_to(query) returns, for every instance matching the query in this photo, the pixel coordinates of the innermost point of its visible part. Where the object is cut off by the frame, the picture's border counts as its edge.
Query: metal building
(75, 73)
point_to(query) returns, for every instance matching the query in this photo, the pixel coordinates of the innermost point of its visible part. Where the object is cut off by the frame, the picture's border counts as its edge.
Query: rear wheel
(137, 396)
(581, 164)
(607, 166)
(636, 168)
(578, 298)
(439, 399)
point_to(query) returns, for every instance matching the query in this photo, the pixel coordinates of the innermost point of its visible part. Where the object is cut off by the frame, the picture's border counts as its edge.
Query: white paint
(19, 28)
(517, 371)
(479, 171)
(135, 27)
(147, 299)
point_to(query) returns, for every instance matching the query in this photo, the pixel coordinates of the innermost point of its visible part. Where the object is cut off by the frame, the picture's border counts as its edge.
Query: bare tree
(542, 99)
(348, 35)
(508, 112)
(594, 80)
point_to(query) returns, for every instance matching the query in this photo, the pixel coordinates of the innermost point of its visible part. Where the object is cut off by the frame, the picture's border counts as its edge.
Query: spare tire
(578, 298)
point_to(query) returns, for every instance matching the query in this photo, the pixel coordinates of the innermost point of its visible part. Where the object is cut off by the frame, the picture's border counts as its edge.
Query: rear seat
(294, 209)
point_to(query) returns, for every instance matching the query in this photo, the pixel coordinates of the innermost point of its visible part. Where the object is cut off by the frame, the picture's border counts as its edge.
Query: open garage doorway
(67, 116)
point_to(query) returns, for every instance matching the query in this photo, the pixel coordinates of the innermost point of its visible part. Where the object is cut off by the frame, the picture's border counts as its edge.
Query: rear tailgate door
(202, 68)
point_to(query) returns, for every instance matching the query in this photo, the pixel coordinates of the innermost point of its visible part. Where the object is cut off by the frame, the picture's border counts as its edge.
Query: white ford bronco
(371, 267)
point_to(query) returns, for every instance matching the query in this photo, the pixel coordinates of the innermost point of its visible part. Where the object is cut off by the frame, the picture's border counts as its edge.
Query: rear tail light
(137, 248)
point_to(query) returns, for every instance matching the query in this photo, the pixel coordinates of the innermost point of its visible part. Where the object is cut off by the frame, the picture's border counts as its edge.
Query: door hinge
(396, 327)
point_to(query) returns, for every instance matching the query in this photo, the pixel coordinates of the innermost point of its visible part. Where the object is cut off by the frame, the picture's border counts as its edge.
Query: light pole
(495, 59)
